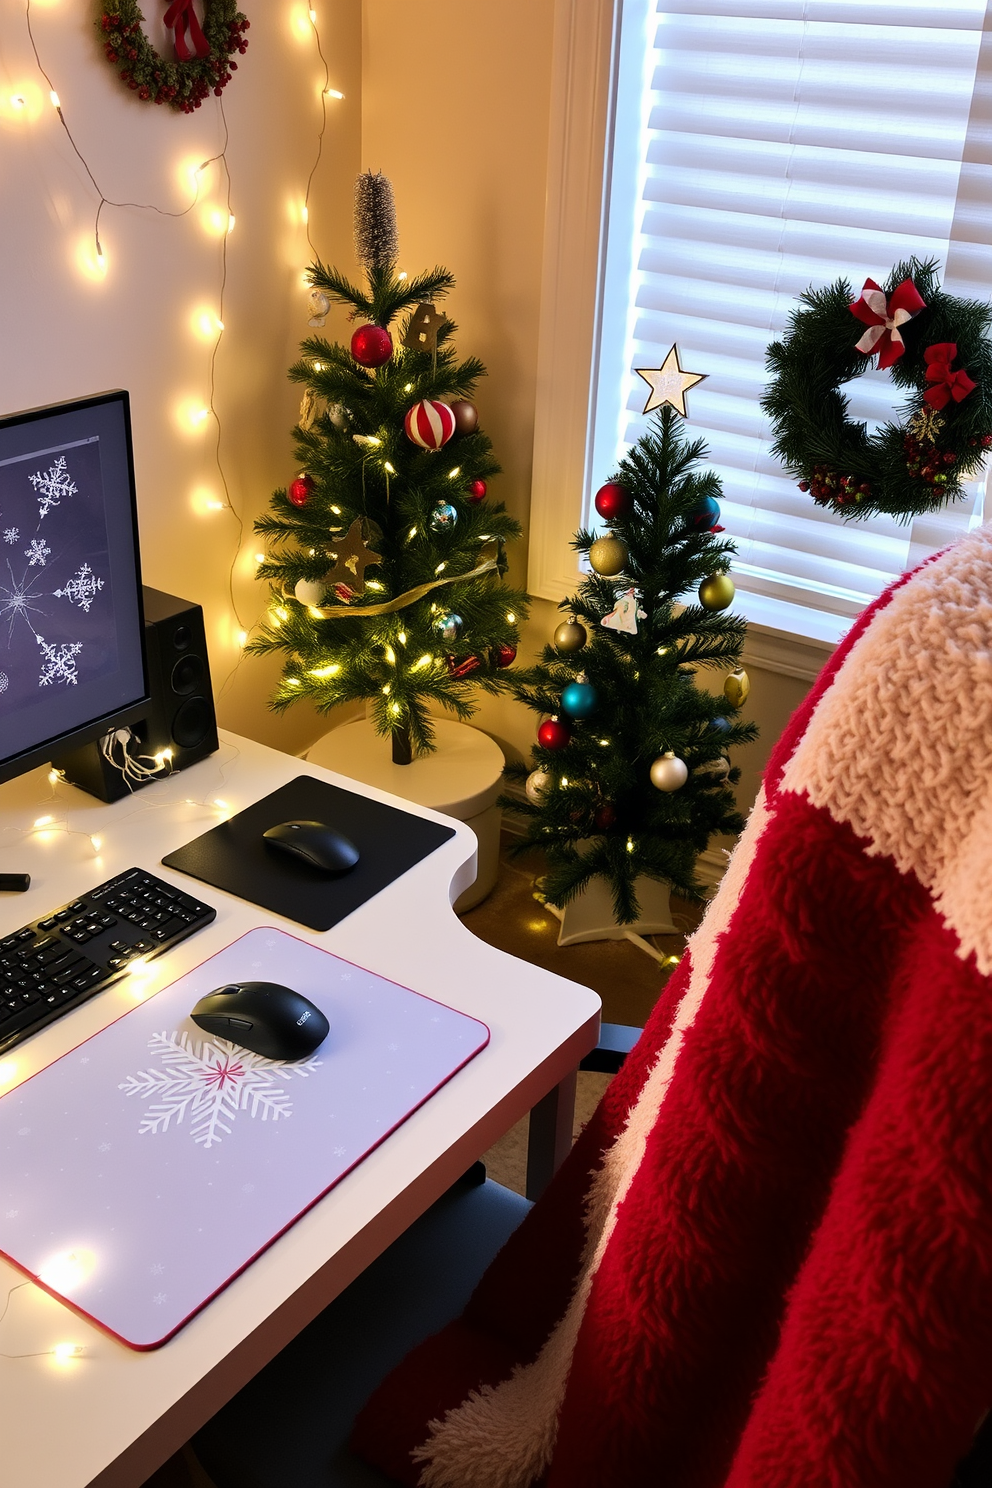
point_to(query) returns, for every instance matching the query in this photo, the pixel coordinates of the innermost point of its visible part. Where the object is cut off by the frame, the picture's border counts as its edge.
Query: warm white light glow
(440, 568)
(408, 388)
(511, 617)
(68, 1270)
(17, 101)
(313, 16)
(403, 276)
(192, 415)
(96, 843)
(283, 614)
(304, 213)
(292, 681)
(242, 637)
(65, 1351)
(327, 671)
(401, 637)
(54, 776)
(390, 655)
(43, 821)
(333, 93)
(374, 584)
(319, 367)
(206, 324)
(259, 557)
(452, 473)
(630, 844)
(217, 221)
(138, 967)
(8, 1069)
(337, 512)
(55, 99)
(390, 468)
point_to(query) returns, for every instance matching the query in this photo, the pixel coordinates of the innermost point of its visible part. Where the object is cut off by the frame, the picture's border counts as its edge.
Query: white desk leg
(549, 1139)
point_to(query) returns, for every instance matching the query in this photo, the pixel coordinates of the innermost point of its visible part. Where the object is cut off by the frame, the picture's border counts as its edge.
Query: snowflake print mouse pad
(142, 1171)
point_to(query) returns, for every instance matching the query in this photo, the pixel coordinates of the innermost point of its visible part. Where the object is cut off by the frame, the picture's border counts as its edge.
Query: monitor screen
(72, 662)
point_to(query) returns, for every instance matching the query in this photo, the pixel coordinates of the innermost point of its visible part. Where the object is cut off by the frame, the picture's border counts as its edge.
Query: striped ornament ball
(429, 424)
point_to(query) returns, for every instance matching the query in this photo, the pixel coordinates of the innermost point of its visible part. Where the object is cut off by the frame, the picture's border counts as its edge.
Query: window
(755, 147)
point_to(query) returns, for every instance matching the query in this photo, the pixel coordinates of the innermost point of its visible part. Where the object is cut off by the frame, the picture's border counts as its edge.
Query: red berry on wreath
(553, 734)
(371, 346)
(949, 457)
(429, 424)
(299, 490)
(804, 485)
(477, 490)
(504, 656)
(614, 501)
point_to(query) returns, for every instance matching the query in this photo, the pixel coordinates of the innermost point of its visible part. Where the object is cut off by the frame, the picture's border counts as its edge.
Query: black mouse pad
(234, 857)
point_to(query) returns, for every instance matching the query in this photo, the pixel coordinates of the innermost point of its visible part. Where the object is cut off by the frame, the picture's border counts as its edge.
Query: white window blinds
(761, 146)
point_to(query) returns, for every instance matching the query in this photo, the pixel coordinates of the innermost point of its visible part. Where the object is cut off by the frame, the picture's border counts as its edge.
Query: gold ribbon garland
(411, 596)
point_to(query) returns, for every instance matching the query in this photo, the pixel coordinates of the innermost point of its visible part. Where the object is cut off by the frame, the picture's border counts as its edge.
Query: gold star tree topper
(669, 384)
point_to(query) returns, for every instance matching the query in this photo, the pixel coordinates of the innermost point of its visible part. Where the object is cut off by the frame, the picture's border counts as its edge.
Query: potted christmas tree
(630, 777)
(385, 553)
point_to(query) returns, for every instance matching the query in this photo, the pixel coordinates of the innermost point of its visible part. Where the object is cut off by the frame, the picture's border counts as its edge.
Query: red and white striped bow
(884, 319)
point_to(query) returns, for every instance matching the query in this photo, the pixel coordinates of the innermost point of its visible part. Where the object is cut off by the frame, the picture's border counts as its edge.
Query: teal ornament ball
(448, 627)
(579, 699)
(444, 517)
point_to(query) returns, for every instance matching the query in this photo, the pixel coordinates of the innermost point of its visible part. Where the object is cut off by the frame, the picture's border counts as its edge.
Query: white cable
(135, 769)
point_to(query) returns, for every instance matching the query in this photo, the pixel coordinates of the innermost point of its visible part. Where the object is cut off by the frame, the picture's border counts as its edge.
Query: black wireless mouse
(264, 1017)
(315, 844)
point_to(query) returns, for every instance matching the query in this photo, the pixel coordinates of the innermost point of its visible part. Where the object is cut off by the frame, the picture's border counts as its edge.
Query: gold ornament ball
(536, 784)
(736, 688)
(669, 773)
(717, 592)
(608, 556)
(570, 636)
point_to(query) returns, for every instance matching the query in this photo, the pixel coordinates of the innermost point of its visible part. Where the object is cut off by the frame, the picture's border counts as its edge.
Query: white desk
(109, 1418)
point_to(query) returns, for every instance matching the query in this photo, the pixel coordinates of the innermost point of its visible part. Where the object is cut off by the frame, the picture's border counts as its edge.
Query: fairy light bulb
(335, 93)
(55, 99)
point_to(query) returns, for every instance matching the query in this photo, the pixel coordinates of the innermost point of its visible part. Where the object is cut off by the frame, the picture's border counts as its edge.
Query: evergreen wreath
(185, 82)
(938, 350)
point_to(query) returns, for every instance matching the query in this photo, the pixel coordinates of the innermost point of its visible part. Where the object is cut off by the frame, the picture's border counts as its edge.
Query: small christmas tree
(630, 775)
(385, 553)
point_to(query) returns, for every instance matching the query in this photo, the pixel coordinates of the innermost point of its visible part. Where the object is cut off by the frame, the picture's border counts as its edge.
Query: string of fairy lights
(219, 221)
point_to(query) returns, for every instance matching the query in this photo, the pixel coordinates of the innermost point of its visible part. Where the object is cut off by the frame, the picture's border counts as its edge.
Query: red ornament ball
(299, 490)
(429, 424)
(605, 817)
(553, 734)
(371, 345)
(466, 416)
(477, 490)
(504, 656)
(614, 501)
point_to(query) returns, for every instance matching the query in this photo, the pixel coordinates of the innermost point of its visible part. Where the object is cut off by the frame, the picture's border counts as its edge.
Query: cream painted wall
(67, 330)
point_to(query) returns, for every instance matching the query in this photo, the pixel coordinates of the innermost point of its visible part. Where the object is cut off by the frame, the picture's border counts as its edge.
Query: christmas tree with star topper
(631, 775)
(385, 554)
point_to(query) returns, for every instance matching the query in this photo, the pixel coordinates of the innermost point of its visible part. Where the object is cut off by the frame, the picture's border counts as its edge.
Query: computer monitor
(72, 648)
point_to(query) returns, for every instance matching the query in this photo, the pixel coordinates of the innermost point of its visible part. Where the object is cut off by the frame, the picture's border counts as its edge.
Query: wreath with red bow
(204, 55)
(938, 351)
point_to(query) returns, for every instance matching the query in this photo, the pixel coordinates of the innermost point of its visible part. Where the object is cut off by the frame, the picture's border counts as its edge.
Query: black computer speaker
(180, 726)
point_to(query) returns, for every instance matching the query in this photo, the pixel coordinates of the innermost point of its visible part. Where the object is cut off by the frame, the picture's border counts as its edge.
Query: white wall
(67, 329)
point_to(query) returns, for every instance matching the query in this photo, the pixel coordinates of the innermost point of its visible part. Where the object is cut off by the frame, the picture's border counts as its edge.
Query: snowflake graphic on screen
(51, 485)
(81, 590)
(212, 1082)
(18, 600)
(59, 663)
(11, 534)
(39, 552)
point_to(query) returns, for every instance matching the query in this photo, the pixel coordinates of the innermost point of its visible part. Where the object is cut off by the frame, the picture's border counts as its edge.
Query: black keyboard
(56, 962)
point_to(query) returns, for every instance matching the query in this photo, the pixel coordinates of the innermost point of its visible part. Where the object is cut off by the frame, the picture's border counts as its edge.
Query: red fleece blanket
(768, 1261)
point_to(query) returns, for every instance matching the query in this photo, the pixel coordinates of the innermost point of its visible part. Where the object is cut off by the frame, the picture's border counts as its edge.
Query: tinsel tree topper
(376, 239)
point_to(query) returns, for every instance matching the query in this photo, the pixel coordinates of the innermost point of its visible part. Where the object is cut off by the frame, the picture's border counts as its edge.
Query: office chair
(289, 1427)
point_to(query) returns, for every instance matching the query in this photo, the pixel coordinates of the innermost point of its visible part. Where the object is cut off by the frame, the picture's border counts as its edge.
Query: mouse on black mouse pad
(314, 844)
(266, 1018)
